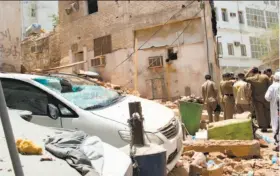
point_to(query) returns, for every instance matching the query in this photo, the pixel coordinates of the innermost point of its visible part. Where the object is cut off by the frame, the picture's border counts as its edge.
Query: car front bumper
(173, 147)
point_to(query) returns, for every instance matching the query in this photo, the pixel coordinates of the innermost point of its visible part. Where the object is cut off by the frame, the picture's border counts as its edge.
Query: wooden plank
(60, 67)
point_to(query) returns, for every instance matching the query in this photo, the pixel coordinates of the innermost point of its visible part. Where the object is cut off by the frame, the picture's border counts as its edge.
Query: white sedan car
(75, 103)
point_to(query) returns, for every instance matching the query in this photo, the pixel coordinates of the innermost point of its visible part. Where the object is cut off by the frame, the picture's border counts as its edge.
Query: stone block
(232, 129)
(234, 148)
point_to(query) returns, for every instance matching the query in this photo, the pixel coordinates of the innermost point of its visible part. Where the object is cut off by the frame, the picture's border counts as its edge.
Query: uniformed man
(268, 72)
(242, 94)
(228, 98)
(260, 84)
(222, 103)
(210, 93)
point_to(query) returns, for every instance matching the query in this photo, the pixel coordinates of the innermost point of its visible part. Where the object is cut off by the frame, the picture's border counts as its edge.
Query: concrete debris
(200, 165)
(233, 148)
(192, 98)
(217, 163)
(46, 159)
(115, 87)
(175, 104)
(171, 105)
(232, 129)
(199, 159)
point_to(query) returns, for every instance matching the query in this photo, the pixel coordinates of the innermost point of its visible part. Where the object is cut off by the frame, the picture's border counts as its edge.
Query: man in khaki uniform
(260, 84)
(222, 103)
(268, 72)
(242, 95)
(227, 93)
(210, 93)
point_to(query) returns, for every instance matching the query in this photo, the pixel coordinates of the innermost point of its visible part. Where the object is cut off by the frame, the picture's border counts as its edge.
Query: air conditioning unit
(233, 14)
(98, 61)
(236, 43)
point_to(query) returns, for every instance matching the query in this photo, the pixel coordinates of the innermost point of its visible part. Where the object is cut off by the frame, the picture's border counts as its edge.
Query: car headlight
(149, 137)
(125, 135)
(152, 138)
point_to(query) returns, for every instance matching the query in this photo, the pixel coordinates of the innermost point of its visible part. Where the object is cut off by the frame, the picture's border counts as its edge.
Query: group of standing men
(253, 92)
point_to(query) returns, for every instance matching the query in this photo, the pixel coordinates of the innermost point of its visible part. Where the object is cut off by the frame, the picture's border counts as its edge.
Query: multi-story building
(241, 27)
(177, 46)
(40, 12)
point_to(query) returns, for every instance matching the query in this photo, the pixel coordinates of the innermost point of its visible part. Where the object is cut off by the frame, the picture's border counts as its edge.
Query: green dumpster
(191, 114)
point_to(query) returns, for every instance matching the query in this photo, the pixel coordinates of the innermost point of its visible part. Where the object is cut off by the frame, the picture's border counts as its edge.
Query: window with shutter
(243, 50)
(102, 45)
(230, 49)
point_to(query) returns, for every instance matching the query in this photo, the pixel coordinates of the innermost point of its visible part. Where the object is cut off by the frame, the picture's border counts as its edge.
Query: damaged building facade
(173, 56)
(10, 36)
(41, 51)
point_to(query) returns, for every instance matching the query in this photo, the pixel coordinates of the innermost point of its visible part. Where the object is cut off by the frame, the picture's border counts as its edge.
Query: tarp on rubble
(82, 152)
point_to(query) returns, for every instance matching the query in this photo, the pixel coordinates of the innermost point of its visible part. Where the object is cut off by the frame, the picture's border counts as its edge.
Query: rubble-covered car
(111, 162)
(98, 111)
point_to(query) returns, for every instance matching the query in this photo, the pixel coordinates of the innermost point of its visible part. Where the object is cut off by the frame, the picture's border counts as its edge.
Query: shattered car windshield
(87, 97)
(74, 79)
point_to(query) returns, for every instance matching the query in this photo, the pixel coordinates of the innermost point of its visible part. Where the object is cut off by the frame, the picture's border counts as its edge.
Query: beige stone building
(41, 51)
(10, 35)
(173, 57)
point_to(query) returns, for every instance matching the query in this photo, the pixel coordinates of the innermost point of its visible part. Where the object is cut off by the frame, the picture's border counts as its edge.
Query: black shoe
(264, 130)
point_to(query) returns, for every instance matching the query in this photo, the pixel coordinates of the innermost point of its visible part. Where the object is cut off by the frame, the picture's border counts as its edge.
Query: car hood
(155, 115)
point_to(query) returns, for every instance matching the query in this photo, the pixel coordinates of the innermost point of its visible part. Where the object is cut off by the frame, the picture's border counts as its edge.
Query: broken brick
(236, 148)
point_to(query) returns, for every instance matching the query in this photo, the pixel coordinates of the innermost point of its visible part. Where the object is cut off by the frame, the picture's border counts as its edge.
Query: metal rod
(8, 131)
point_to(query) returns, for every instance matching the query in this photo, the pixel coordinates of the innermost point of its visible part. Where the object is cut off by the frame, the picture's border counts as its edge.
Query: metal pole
(8, 131)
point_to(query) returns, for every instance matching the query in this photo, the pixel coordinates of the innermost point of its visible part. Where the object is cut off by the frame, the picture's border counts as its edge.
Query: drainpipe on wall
(85, 58)
(206, 35)
(135, 62)
(71, 58)
(168, 66)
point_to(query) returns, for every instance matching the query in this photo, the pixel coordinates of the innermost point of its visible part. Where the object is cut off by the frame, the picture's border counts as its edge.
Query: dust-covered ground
(262, 166)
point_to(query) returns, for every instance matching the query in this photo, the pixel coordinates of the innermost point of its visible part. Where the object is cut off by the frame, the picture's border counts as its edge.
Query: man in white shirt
(242, 94)
(272, 96)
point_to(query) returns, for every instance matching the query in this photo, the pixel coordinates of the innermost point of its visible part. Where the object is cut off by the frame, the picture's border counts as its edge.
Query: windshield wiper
(116, 99)
(101, 106)
(94, 107)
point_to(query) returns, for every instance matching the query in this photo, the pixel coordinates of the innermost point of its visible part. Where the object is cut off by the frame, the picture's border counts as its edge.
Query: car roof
(19, 76)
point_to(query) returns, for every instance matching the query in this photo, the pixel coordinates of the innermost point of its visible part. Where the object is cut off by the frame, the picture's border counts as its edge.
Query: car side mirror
(26, 115)
(53, 111)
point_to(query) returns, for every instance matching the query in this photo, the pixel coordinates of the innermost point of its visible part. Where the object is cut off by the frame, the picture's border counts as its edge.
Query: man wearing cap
(242, 94)
(260, 84)
(226, 88)
(272, 96)
(210, 94)
(268, 72)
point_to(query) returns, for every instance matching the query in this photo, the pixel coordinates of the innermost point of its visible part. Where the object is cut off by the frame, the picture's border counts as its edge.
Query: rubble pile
(175, 104)
(229, 166)
(192, 98)
(115, 87)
